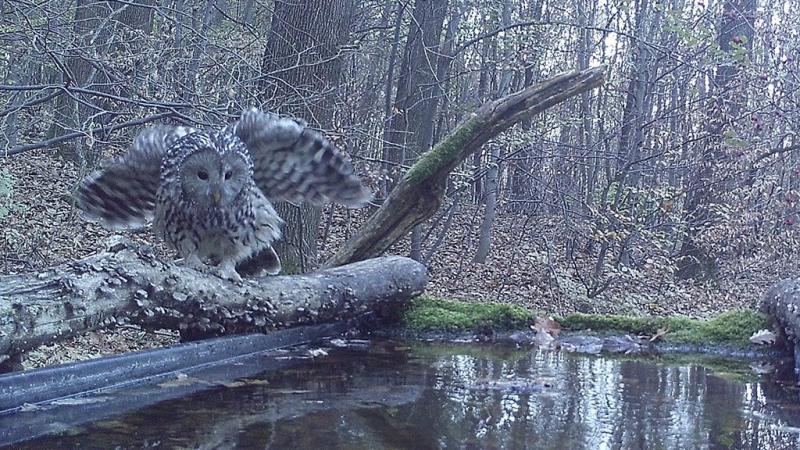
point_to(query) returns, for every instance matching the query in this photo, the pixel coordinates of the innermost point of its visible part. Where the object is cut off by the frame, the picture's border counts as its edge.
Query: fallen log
(129, 284)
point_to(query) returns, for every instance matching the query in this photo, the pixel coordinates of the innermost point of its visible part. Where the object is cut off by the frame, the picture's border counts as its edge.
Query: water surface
(393, 395)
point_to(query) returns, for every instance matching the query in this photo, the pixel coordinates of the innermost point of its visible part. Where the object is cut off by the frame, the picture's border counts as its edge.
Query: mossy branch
(443, 153)
(419, 194)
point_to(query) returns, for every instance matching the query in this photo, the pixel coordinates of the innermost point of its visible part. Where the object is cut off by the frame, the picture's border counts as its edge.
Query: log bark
(128, 283)
(781, 304)
(419, 194)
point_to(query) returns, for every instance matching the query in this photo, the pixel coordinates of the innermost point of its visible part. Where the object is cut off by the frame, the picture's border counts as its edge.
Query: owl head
(216, 172)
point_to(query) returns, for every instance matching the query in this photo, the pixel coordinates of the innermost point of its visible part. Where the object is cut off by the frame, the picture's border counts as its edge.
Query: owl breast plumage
(208, 191)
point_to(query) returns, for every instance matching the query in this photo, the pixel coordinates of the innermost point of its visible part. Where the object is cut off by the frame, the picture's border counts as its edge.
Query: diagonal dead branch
(419, 194)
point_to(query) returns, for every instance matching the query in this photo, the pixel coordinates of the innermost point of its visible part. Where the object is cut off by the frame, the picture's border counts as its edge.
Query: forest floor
(527, 265)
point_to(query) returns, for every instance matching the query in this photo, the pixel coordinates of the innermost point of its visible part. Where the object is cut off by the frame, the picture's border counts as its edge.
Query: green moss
(435, 314)
(733, 327)
(444, 152)
(427, 313)
(732, 369)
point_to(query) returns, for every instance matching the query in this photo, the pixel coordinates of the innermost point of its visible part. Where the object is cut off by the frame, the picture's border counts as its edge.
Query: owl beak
(216, 196)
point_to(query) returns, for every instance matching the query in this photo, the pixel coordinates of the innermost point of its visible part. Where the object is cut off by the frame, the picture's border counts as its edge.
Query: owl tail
(265, 261)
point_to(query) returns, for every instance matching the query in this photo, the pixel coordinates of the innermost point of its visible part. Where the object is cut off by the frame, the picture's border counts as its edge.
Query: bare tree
(735, 39)
(301, 71)
(100, 29)
(492, 175)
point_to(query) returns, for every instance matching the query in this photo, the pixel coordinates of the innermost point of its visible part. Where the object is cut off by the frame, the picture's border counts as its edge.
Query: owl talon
(228, 272)
(194, 262)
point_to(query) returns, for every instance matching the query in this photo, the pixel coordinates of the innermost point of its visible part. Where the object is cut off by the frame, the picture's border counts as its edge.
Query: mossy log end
(129, 284)
(419, 194)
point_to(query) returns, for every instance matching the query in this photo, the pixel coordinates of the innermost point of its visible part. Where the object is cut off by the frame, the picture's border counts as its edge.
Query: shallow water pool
(388, 394)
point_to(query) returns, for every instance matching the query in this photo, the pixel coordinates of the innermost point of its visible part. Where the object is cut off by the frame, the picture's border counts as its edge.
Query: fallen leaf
(660, 333)
(547, 325)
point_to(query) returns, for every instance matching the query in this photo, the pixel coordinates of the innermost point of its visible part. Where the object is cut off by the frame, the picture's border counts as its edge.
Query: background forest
(673, 188)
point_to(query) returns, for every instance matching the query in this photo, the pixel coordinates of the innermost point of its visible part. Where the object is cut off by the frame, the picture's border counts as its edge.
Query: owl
(209, 193)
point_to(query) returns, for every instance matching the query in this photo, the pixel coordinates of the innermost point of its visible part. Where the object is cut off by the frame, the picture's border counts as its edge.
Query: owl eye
(203, 175)
(228, 175)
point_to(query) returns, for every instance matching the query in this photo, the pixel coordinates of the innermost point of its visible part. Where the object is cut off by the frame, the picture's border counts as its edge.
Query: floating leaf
(28, 407)
(180, 380)
(317, 352)
(245, 382)
(75, 401)
(543, 339)
(338, 342)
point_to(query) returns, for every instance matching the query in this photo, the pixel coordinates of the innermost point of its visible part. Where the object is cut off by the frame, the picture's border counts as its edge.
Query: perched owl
(209, 191)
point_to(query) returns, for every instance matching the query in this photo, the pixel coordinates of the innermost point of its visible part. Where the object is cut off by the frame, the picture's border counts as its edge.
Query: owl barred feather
(123, 194)
(208, 191)
(294, 163)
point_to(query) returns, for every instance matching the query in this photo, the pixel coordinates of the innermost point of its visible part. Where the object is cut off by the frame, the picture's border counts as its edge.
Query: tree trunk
(636, 110)
(736, 25)
(485, 233)
(198, 50)
(94, 37)
(492, 176)
(301, 72)
(585, 136)
(388, 167)
(522, 189)
(411, 127)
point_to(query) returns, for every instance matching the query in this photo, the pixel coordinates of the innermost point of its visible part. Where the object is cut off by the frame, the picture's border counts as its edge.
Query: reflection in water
(419, 396)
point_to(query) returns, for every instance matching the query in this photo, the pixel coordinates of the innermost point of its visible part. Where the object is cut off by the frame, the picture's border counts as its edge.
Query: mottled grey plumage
(208, 190)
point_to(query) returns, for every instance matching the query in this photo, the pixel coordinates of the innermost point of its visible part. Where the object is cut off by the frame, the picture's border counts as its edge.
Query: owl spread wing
(294, 163)
(123, 194)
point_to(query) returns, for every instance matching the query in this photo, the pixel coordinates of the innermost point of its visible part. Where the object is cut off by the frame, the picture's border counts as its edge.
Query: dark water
(384, 395)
